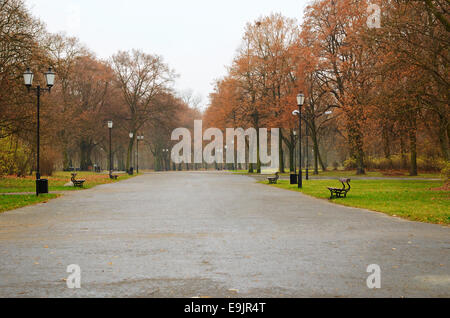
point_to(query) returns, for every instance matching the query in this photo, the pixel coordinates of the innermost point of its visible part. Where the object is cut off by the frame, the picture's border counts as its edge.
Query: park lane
(211, 234)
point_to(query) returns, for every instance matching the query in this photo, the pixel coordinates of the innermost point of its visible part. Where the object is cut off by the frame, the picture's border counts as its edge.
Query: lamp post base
(41, 186)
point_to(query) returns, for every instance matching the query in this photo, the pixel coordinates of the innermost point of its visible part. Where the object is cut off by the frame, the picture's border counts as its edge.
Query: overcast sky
(197, 38)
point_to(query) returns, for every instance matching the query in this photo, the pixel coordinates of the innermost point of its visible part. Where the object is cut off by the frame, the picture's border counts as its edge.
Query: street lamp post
(295, 155)
(138, 138)
(131, 135)
(110, 126)
(28, 79)
(300, 102)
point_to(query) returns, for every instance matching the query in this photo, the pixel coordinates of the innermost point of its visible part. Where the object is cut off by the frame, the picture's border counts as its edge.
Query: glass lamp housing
(50, 77)
(28, 77)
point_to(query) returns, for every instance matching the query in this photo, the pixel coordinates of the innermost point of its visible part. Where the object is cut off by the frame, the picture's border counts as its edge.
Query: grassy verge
(352, 173)
(413, 200)
(56, 182)
(11, 202)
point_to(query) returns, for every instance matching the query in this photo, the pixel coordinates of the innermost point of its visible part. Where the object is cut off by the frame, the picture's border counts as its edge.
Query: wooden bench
(274, 180)
(77, 183)
(341, 193)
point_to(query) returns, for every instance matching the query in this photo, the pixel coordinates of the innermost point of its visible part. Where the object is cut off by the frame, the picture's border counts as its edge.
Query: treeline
(377, 96)
(133, 89)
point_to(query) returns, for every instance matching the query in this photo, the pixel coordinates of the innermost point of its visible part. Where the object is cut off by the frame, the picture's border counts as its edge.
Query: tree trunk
(386, 143)
(85, 155)
(413, 151)
(250, 165)
(280, 151)
(403, 152)
(304, 152)
(317, 157)
(258, 164)
(66, 163)
(129, 153)
(120, 159)
(160, 162)
(443, 137)
(356, 146)
(291, 149)
(360, 170)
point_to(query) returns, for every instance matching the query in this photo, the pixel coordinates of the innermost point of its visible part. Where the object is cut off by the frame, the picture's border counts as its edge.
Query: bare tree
(142, 78)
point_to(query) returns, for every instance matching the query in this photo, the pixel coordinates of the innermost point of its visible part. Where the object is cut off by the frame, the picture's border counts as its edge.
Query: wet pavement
(194, 234)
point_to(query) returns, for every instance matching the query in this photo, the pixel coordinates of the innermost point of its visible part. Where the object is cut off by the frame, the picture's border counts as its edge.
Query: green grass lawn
(11, 202)
(409, 199)
(56, 182)
(352, 173)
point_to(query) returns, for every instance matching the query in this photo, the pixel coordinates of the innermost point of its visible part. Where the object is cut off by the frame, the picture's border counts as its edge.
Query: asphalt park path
(215, 235)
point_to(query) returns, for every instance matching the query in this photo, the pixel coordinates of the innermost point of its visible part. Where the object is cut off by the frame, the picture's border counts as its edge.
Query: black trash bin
(42, 186)
(294, 179)
(130, 172)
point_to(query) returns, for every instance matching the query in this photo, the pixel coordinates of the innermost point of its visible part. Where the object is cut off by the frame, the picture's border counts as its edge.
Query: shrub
(430, 164)
(424, 163)
(369, 163)
(6, 163)
(384, 164)
(378, 163)
(14, 157)
(445, 172)
(397, 162)
(22, 159)
(350, 164)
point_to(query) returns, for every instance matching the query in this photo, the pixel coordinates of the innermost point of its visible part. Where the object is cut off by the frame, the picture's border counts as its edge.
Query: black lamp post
(28, 79)
(166, 160)
(300, 102)
(138, 138)
(110, 126)
(131, 135)
(295, 155)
